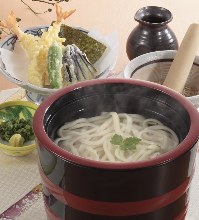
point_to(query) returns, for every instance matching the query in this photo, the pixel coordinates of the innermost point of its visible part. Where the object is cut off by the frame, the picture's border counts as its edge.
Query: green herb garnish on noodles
(125, 144)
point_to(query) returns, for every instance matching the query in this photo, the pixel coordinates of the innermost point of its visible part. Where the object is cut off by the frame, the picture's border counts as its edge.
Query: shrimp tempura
(12, 25)
(37, 47)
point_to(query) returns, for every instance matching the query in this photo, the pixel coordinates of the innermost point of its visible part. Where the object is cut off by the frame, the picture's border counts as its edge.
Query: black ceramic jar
(152, 32)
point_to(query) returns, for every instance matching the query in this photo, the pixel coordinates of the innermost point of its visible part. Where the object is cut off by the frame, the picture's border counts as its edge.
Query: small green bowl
(8, 107)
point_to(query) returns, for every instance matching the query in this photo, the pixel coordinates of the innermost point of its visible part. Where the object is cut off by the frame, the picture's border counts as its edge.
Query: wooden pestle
(183, 60)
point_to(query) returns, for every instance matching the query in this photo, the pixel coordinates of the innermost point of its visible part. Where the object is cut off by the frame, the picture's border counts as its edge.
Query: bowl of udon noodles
(116, 149)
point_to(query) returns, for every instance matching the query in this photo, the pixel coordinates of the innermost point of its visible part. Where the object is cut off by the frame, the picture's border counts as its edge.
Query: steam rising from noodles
(91, 137)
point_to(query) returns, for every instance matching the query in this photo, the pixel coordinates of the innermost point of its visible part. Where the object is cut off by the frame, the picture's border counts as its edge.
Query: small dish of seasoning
(16, 132)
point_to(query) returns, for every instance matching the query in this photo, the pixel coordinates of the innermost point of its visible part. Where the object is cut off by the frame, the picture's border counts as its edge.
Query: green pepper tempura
(16, 126)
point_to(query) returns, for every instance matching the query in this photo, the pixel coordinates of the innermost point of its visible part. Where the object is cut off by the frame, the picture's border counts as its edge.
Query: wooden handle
(183, 60)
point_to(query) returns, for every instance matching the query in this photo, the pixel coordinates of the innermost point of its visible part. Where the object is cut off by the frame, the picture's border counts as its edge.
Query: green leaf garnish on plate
(125, 144)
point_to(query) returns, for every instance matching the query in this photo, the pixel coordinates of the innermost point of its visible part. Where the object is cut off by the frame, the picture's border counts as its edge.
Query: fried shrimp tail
(62, 15)
(27, 41)
(12, 24)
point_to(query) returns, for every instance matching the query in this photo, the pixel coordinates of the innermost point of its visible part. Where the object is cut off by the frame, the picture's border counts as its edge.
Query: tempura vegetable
(76, 66)
(55, 66)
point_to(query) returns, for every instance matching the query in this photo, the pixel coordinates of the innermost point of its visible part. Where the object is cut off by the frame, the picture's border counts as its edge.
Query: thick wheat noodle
(90, 137)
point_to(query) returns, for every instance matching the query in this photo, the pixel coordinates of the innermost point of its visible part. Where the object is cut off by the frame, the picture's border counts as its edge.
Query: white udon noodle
(90, 137)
